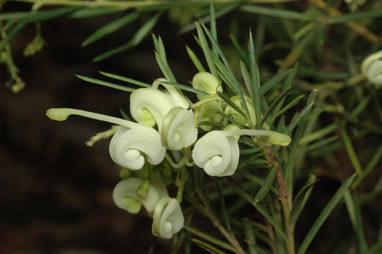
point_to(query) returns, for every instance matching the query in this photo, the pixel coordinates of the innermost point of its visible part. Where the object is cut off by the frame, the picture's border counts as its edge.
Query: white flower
(217, 152)
(178, 129)
(148, 106)
(372, 68)
(125, 194)
(206, 82)
(168, 218)
(130, 148)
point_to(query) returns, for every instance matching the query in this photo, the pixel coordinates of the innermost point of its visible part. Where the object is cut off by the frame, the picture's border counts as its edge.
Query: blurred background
(55, 192)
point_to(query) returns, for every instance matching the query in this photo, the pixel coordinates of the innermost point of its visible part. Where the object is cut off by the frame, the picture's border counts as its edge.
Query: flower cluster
(165, 135)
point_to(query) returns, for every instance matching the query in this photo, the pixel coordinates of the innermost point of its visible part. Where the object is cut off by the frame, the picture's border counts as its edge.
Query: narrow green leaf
(359, 15)
(350, 206)
(319, 134)
(324, 214)
(261, 209)
(94, 12)
(320, 143)
(359, 227)
(104, 83)
(135, 40)
(195, 60)
(214, 32)
(247, 79)
(301, 198)
(260, 195)
(209, 238)
(186, 88)
(229, 102)
(298, 49)
(38, 15)
(350, 150)
(287, 107)
(250, 236)
(206, 246)
(276, 102)
(278, 13)
(257, 180)
(124, 79)
(370, 166)
(206, 50)
(205, 20)
(297, 118)
(161, 58)
(110, 27)
(240, 51)
(255, 78)
(274, 81)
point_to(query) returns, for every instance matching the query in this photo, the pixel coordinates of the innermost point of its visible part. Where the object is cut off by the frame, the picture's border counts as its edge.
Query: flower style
(130, 146)
(372, 68)
(217, 152)
(168, 218)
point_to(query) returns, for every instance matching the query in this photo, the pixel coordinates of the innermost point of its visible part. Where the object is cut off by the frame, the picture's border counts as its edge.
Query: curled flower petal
(372, 68)
(148, 106)
(178, 129)
(206, 82)
(125, 196)
(130, 148)
(168, 218)
(216, 153)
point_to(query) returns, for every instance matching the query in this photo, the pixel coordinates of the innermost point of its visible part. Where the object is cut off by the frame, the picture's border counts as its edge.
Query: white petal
(128, 188)
(168, 218)
(374, 73)
(130, 148)
(178, 129)
(206, 82)
(216, 153)
(148, 106)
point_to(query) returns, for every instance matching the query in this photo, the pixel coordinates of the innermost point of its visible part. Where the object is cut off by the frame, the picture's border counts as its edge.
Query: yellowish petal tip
(58, 114)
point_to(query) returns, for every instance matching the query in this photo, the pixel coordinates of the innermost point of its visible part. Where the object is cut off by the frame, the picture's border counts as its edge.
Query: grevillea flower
(130, 146)
(178, 129)
(168, 218)
(206, 82)
(372, 68)
(148, 106)
(168, 110)
(217, 152)
(126, 195)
